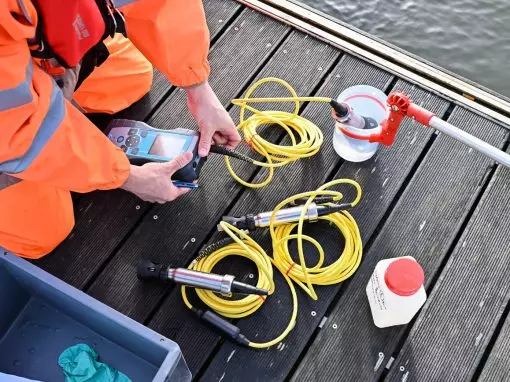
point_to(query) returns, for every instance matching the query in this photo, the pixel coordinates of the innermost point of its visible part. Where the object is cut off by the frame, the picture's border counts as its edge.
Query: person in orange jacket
(49, 148)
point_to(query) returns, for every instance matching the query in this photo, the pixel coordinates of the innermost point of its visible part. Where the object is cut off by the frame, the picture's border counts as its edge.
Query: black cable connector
(332, 208)
(341, 109)
(243, 288)
(317, 200)
(222, 326)
(244, 222)
(230, 153)
(147, 270)
(213, 247)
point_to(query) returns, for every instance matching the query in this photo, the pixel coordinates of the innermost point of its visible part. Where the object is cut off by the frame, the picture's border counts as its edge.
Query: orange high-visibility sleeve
(173, 35)
(45, 138)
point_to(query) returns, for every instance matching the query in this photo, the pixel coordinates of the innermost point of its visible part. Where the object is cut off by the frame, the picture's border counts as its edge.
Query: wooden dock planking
(320, 55)
(497, 367)
(451, 333)
(103, 220)
(276, 311)
(182, 225)
(168, 318)
(418, 198)
(424, 224)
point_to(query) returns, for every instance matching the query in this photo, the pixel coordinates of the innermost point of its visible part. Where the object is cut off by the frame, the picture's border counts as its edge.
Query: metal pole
(470, 140)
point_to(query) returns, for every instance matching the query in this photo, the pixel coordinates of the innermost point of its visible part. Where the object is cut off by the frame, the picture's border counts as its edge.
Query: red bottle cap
(404, 277)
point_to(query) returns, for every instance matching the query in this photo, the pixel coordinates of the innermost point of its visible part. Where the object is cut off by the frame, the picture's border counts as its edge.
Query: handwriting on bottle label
(377, 292)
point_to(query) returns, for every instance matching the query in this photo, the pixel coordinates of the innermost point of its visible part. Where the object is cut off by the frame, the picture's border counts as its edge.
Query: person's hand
(70, 79)
(152, 182)
(212, 118)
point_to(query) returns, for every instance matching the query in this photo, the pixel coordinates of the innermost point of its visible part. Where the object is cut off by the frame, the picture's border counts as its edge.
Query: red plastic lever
(400, 106)
(420, 114)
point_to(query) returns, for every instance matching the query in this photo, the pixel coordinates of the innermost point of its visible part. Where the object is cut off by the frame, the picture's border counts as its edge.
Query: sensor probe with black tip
(224, 284)
(284, 216)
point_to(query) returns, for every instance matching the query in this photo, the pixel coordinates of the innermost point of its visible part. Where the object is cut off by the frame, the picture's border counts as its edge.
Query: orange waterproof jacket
(47, 140)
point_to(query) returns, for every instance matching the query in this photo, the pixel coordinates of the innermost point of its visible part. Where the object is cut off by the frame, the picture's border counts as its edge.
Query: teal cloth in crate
(80, 364)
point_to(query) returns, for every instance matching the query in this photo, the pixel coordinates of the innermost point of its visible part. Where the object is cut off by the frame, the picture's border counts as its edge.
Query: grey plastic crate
(40, 316)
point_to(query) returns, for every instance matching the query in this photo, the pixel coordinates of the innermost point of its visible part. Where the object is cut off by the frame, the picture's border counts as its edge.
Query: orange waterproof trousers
(48, 148)
(34, 217)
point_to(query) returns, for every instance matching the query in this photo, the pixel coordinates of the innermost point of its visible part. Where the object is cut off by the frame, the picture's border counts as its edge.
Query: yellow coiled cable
(303, 275)
(306, 138)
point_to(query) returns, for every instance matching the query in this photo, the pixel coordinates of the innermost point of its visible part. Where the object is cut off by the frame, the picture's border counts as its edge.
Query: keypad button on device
(124, 148)
(120, 139)
(132, 131)
(132, 141)
(144, 133)
(134, 151)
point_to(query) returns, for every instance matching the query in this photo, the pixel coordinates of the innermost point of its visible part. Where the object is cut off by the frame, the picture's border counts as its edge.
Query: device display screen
(168, 146)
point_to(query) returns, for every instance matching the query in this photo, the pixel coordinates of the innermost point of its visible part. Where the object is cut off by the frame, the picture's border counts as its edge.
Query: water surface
(468, 37)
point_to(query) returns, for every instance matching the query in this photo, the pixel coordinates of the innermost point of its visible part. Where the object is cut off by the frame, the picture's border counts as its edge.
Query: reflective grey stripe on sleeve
(54, 116)
(121, 3)
(7, 180)
(25, 12)
(19, 95)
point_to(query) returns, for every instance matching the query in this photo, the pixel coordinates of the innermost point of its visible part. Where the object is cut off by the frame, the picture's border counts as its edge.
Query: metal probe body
(218, 283)
(287, 215)
(283, 216)
(224, 284)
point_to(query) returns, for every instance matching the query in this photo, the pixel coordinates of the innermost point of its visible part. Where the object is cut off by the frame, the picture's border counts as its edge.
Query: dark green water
(468, 37)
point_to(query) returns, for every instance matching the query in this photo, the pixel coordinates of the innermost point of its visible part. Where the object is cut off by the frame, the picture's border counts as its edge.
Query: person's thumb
(179, 162)
(205, 142)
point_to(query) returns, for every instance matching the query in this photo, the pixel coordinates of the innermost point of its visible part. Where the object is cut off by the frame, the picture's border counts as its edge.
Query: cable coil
(306, 138)
(304, 275)
(342, 268)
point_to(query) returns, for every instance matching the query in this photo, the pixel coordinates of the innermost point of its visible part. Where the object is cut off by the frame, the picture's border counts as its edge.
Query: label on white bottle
(377, 292)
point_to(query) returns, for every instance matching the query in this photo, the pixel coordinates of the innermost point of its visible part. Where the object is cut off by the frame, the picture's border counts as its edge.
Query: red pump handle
(400, 106)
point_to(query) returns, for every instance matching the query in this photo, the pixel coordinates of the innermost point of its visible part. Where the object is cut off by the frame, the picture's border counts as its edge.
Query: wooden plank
(112, 215)
(273, 317)
(454, 328)
(176, 322)
(216, 199)
(181, 226)
(424, 223)
(497, 367)
(218, 13)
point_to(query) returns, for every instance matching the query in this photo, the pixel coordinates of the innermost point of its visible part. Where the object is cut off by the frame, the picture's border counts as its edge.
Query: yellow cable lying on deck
(306, 138)
(304, 275)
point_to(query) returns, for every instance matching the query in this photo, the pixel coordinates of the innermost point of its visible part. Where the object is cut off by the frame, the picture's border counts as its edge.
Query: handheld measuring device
(143, 143)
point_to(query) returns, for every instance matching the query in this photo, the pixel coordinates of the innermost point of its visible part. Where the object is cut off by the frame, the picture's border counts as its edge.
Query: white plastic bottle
(395, 291)
(365, 101)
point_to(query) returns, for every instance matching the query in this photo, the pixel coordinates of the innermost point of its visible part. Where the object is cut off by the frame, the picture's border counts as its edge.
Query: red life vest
(72, 31)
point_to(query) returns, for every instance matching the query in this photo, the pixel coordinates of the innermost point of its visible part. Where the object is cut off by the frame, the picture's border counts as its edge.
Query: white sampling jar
(395, 291)
(366, 101)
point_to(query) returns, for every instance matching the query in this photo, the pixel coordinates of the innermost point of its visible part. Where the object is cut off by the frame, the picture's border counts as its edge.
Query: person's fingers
(182, 191)
(233, 140)
(179, 162)
(174, 193)
(205, 142)
(219, 139)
